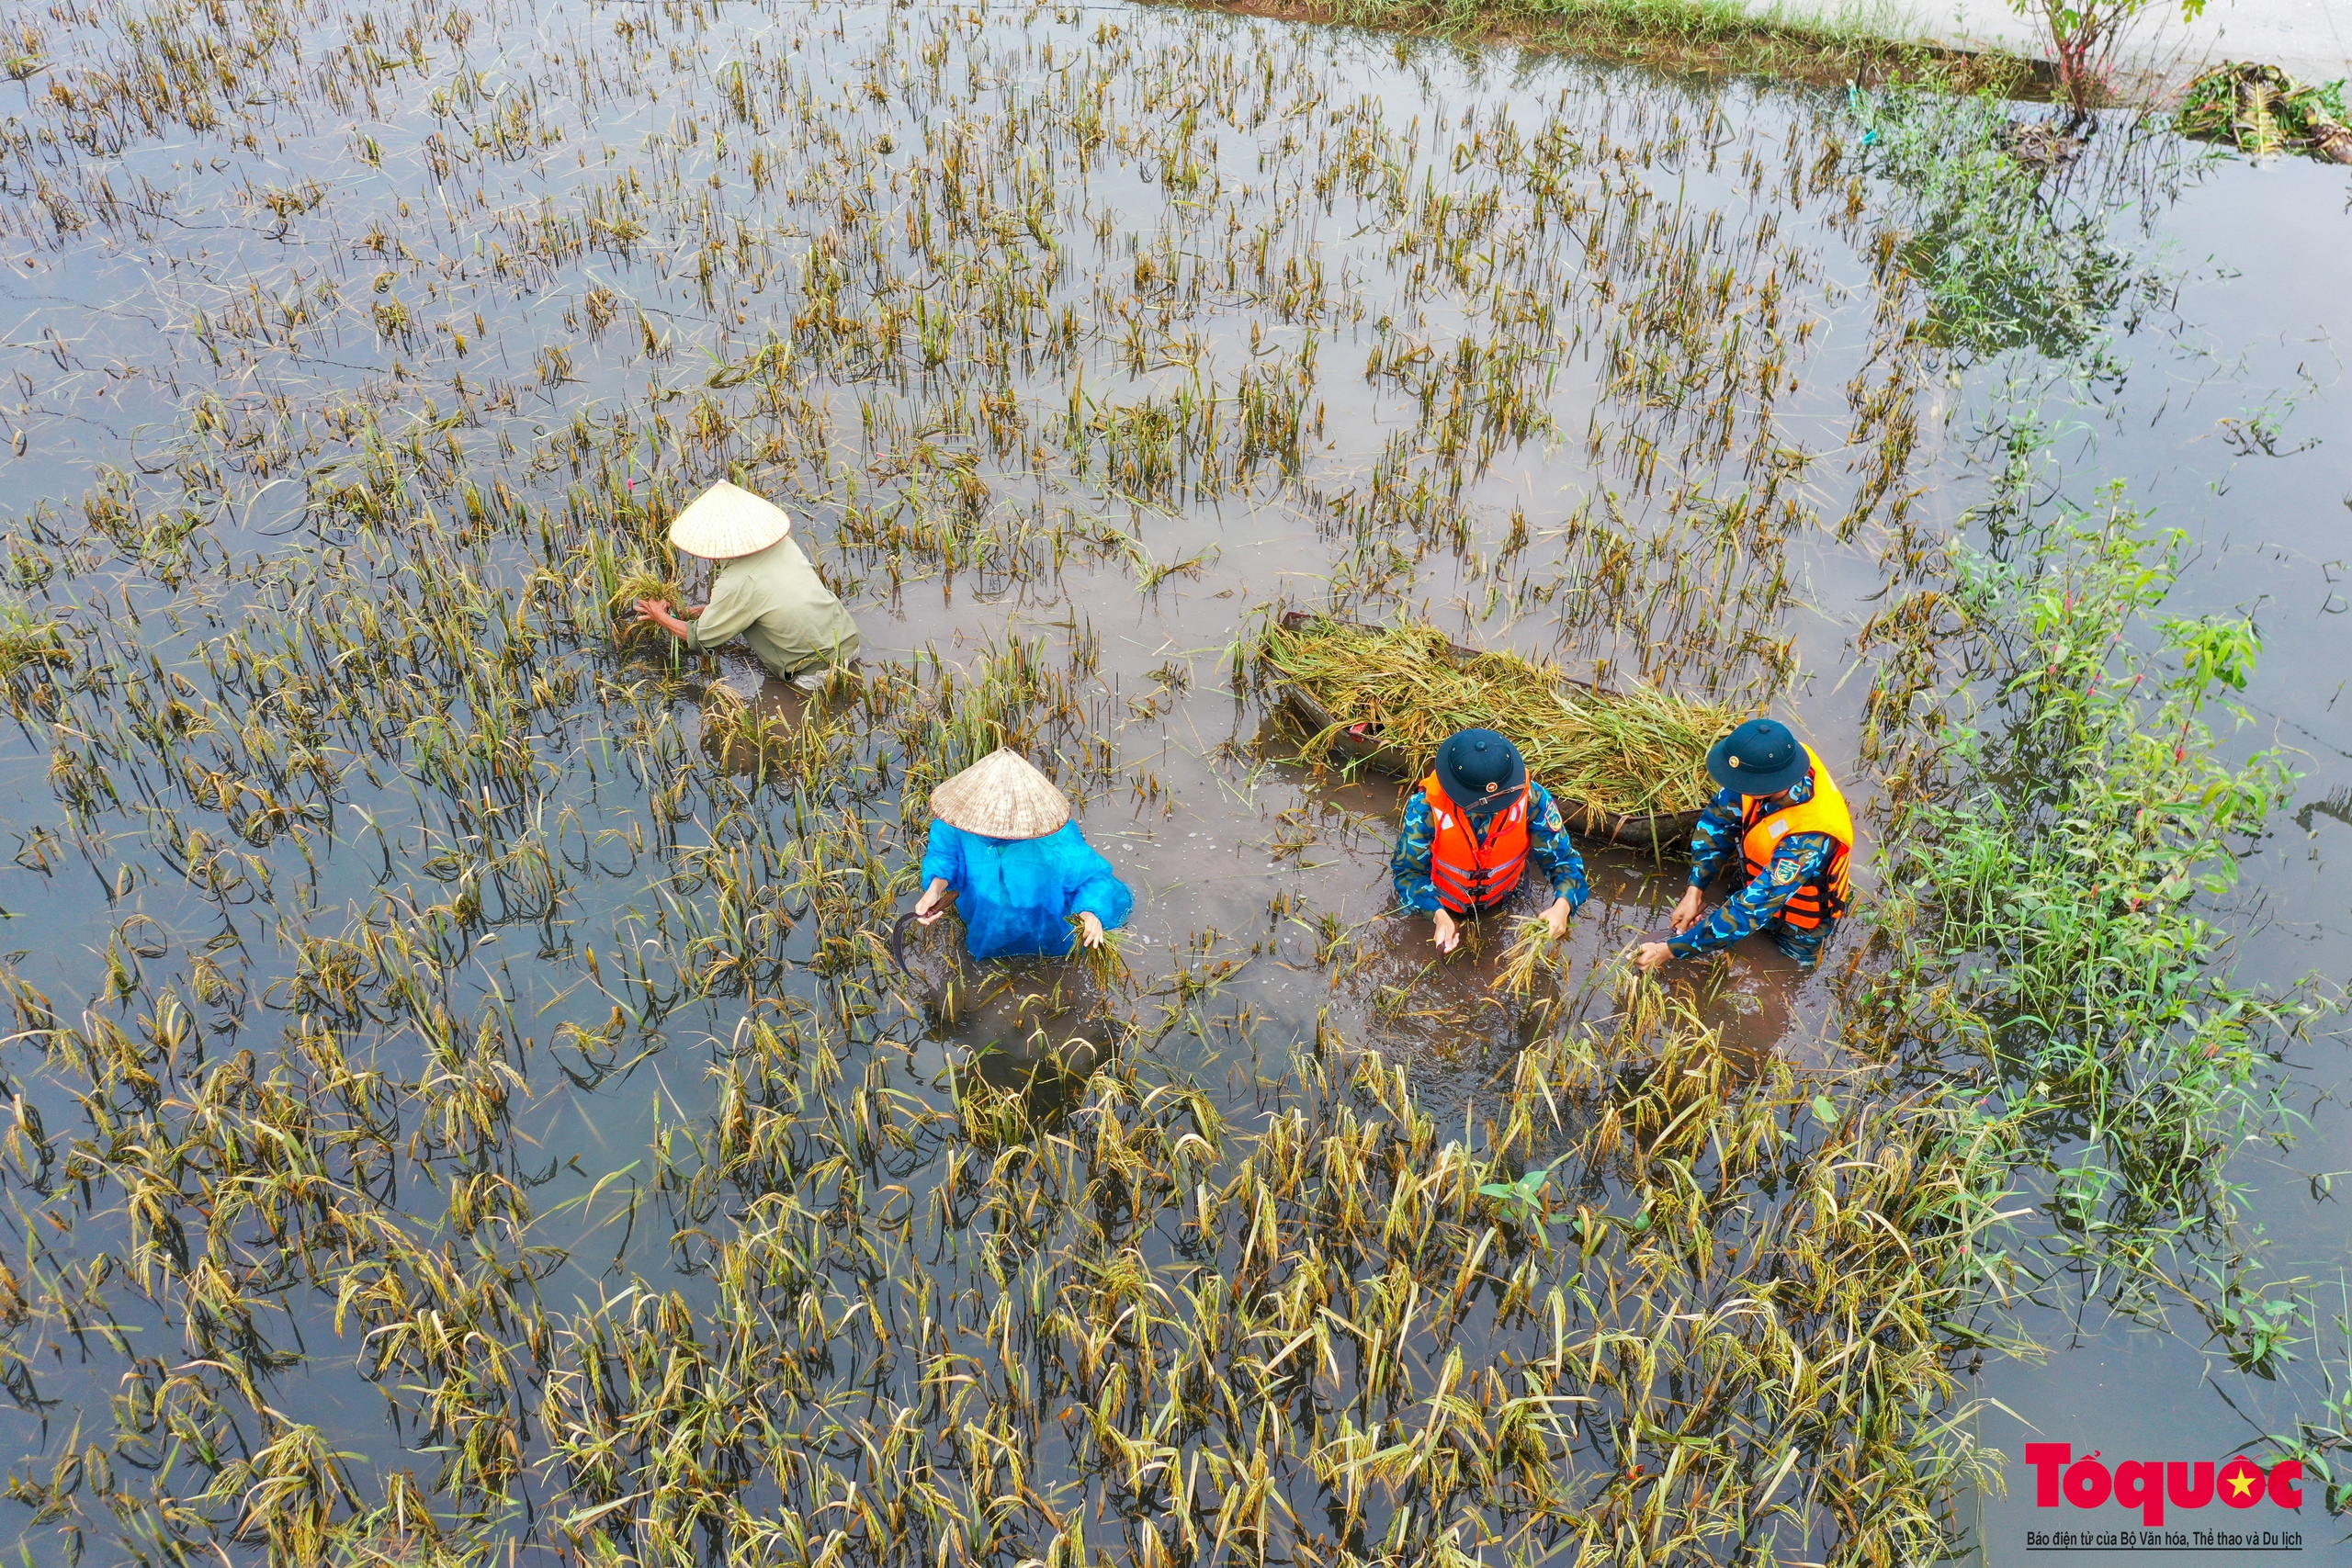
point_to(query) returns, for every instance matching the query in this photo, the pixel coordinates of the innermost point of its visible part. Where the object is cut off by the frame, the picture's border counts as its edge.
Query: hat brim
(727, 522)
(1468, 795)
(988, 826)
(1746, 780)
(1003, 795)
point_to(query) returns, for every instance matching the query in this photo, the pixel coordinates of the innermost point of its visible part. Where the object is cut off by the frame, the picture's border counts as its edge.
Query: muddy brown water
(531, 261)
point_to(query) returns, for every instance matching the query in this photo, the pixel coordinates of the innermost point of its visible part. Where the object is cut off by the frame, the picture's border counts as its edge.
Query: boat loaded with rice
(1629, 766)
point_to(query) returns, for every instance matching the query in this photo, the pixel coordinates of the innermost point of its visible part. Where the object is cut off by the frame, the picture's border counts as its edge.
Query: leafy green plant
(2214, 652)
(2067, 885)
(2084, 36)
(1519, 1198)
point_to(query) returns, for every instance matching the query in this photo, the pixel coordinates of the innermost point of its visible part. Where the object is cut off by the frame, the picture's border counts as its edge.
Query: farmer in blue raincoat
(1003, 845)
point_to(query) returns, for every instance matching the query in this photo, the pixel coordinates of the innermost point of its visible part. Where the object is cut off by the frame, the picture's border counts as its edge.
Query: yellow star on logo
(2239, 1482)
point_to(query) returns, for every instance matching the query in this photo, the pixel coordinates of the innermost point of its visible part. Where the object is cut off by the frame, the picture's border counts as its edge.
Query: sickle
(896, 943)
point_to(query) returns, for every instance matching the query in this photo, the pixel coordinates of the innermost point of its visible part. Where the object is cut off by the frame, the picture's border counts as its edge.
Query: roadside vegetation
(1684, 38)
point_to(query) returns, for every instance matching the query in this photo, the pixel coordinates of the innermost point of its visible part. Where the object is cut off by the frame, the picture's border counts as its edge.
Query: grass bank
(1692, 38)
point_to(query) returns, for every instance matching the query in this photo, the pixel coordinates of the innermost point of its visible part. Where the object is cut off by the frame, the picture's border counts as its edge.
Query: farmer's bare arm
(658, 611)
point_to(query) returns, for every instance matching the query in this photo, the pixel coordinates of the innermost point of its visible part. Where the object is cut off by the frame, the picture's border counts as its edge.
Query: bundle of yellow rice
(1634, 753)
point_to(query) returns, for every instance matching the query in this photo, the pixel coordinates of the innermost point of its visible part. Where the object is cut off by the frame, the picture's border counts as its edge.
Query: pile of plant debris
(2262, 110)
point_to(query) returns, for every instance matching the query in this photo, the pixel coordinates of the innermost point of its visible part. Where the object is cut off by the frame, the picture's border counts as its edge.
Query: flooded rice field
(460, 1104)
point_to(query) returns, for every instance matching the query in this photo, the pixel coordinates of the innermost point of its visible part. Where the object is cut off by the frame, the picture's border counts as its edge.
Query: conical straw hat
(1003, 796)
(726, 520)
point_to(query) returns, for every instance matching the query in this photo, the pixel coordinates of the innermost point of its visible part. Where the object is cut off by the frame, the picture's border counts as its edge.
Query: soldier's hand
(1449, 935)
(1651, 956)
(1685, 913)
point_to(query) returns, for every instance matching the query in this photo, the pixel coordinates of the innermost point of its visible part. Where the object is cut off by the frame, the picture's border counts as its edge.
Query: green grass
(2051, 913)
(1704, 37)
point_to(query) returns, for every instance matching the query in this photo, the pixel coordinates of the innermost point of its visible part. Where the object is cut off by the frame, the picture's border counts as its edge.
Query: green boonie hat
(1761, 757)
(1478, 767)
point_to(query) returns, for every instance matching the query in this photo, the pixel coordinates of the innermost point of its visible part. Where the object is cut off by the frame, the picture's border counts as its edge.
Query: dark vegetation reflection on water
(460, 1100)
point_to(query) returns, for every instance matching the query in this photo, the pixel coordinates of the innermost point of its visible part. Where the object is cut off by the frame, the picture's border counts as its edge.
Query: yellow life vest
(1827, 896)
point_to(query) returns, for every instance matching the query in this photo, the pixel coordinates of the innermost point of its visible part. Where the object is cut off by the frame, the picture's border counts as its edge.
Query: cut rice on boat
(1628, 765)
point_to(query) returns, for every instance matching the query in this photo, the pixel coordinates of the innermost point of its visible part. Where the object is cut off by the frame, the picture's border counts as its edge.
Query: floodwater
(2225, 424)
(356, 357)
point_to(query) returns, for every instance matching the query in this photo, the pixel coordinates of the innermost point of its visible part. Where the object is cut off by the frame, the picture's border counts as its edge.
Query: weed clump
(2262, 110)
(28, 642)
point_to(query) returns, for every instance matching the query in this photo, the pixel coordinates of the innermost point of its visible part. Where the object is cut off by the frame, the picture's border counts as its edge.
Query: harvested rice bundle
(641, 582)
(1533, 953)
(1106, 961)
(1634, 753)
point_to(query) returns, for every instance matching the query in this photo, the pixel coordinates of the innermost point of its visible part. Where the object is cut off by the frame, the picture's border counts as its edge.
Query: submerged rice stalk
(1532, 954)
(25, 642)
(1642, 1003)
(1104, 963)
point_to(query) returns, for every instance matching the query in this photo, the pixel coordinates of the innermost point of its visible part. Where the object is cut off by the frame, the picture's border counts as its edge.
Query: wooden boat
(1361, 748)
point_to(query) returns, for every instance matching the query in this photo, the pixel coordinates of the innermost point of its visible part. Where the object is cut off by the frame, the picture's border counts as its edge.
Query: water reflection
(747, 715)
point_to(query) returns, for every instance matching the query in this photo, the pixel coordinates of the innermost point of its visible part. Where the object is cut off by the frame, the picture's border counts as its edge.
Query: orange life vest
(1827, 896)
(1470, 874)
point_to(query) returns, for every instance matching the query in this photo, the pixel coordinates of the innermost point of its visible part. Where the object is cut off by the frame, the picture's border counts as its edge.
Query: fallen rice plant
(436, 1004)
(1532, 954)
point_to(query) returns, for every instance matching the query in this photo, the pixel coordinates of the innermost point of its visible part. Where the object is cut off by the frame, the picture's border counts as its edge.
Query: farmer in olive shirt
(766, 591)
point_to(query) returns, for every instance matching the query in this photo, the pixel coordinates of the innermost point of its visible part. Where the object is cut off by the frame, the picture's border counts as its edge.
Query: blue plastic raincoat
(1016, 895)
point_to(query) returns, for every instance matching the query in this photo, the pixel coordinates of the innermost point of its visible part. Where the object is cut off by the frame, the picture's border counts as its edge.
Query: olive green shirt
(782, 609)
